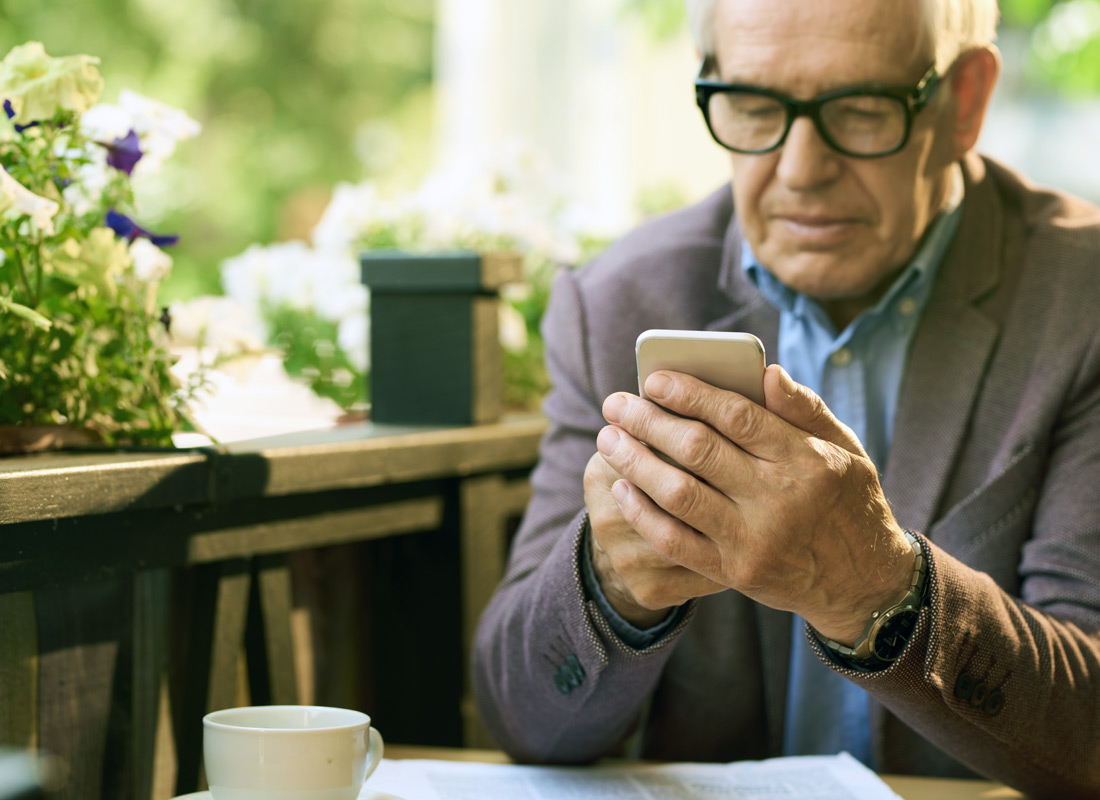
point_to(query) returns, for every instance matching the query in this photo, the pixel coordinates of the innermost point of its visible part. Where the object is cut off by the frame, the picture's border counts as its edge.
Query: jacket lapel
(949, 358)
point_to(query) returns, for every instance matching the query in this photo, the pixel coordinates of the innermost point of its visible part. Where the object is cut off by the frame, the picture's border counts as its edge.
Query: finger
(603, 513)
(745, 423)
(801, 407)
(637, 575)
(688, 443)
(671, 538)
(600, 474)
(633, 575)
(676, 491)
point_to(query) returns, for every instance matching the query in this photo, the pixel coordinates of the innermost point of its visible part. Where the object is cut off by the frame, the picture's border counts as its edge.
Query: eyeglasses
(862, 122)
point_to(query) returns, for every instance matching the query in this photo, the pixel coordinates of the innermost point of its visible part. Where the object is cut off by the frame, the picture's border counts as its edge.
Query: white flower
(353, 336)
(91, 178)
(151, 264)
(16, 199)
(507, 194)
(217, 323)
(293, 274)
(159, 127)
(38, 85)
(107, 121)
(513, 329)
(271, 275)
(337, 290)
(350, 212)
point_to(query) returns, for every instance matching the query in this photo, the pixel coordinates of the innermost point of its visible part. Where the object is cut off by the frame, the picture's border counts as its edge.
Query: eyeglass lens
(859, 124)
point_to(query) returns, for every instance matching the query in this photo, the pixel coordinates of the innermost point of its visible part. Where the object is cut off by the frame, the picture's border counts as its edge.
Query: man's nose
(805, 160)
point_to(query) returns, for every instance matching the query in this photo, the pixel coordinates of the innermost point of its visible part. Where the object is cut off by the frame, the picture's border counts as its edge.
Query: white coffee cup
(289, 752)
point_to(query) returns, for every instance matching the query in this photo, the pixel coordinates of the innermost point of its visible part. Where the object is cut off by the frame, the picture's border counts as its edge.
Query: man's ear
(972, 77)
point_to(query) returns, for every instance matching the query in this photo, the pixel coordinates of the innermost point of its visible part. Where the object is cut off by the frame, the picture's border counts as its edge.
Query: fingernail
(607, 440)
(619, 490)
(613, 408)
(658, 386)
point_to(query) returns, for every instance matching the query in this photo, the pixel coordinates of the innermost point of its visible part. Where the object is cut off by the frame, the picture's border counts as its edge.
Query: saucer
(366, 794)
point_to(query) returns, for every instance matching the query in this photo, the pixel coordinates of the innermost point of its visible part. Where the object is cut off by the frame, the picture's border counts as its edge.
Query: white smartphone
(731, 361)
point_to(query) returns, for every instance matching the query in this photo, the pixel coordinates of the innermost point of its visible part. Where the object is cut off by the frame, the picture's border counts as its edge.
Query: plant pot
(16, 439)
(434, 344)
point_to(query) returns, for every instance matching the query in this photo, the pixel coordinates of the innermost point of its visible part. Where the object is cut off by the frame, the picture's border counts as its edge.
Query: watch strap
(890, 627)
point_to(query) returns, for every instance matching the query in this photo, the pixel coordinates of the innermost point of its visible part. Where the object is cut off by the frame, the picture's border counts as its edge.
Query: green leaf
(26, 313)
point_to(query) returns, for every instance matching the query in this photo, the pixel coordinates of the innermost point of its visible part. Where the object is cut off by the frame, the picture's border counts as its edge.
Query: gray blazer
(995, 458)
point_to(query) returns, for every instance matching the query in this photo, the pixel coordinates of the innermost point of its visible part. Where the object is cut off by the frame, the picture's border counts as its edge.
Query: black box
(434, 344)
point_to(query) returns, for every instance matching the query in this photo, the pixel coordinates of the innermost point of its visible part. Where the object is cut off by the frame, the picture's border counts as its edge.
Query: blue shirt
(857, 372)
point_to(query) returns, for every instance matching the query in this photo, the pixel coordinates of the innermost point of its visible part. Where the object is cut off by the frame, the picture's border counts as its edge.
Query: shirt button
(842, 357)
(907, 306)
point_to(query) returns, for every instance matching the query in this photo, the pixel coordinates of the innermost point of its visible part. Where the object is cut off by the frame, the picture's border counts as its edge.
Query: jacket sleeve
(1009, 682)
(552, 681)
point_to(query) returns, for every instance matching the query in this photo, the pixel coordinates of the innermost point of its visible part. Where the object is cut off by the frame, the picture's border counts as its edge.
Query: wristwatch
(889, 628)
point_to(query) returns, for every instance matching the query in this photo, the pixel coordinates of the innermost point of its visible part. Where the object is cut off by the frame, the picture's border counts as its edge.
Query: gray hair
(954, 26)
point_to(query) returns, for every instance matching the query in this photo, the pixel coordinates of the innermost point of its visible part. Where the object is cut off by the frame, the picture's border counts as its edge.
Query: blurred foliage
(1064, 47)
(661, 198)
(293, 97)
(1024, 13)
(308, 344)
(663, 19)
(525, 378)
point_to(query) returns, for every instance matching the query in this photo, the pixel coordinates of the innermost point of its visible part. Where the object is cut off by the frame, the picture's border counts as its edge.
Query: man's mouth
(817, 229)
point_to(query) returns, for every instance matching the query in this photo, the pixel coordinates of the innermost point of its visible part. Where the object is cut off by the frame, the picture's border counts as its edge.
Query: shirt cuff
(636, 638)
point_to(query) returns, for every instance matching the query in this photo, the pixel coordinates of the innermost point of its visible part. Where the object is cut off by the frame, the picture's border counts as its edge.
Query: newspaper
(838, 777)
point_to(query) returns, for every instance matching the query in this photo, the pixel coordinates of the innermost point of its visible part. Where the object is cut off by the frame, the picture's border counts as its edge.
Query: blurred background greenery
(295, 97)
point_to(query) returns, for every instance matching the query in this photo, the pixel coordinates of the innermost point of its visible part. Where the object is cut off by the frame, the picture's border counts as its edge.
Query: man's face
(834, 227)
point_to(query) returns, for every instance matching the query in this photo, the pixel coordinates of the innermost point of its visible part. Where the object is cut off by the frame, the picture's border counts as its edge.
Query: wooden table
(217, 524)
(140, 589)
(907, 786)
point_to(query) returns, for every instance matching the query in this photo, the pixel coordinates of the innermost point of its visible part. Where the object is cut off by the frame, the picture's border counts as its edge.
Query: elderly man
(756, 591)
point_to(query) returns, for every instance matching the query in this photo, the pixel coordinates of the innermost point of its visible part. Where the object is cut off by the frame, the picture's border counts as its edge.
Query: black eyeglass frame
(913, 98)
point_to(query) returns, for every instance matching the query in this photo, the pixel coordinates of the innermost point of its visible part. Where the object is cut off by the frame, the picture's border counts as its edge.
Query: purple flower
(11, 113)
(124, 152)
(127, 229)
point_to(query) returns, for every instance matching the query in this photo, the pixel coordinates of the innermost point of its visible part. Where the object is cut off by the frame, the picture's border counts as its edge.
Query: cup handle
(376, 748)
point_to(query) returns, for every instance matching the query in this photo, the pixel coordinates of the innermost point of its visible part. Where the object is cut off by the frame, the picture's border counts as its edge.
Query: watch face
(894, 634)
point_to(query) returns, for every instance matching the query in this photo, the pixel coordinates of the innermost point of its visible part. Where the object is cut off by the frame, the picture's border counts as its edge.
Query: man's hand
(781, 504)
(641, 584)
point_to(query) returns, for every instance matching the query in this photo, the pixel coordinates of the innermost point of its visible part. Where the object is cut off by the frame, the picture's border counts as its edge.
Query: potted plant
(437, 263)
(422, 302)
(83, 343)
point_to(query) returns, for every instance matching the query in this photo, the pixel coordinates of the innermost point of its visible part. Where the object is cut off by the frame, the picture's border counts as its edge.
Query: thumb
(799, 406)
